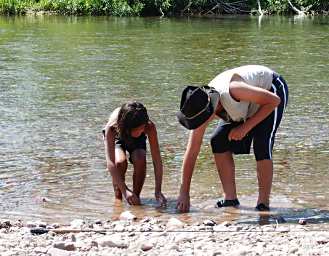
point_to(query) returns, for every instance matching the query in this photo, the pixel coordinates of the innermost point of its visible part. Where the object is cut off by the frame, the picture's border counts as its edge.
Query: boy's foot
(262, 208)
(225, 203)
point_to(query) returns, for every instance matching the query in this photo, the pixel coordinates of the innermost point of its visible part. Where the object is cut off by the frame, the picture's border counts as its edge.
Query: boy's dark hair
(131, 115)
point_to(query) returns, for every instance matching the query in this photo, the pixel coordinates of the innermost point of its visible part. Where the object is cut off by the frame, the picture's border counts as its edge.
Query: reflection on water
(60, 77)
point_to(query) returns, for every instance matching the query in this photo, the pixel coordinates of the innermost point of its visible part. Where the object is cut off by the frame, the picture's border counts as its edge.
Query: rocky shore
(151, 236)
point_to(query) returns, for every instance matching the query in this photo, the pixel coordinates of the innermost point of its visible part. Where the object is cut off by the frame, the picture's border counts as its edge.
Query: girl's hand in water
(183, 202)
(132, 198)
(161, 199)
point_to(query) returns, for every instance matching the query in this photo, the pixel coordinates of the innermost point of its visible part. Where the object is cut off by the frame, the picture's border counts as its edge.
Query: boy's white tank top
(254, 75)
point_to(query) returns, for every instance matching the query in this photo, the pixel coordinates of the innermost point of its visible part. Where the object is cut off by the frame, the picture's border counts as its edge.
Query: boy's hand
(183, 202)
(237, 133)
(161, 199)
(131, 198)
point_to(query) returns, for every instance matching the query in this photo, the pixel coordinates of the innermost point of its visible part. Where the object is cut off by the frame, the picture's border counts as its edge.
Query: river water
(60, 77)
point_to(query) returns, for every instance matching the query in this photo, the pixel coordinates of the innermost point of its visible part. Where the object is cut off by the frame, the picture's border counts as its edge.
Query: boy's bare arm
(190, 157)
(266, 100)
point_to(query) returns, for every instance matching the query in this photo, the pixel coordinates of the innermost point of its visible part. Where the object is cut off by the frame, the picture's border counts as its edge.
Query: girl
(127, 130)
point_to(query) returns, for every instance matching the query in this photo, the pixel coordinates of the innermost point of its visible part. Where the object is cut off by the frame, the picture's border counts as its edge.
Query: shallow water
(60, 77)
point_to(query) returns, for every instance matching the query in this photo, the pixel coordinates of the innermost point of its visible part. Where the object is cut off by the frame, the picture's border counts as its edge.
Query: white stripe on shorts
(284, 93)
(273, 128)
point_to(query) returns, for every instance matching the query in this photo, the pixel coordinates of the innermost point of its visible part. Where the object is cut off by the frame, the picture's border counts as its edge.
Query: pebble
(111, 241)
(174, 223)
(127, 215)
(77, 224)
(65, 246)
(209, 223)
(58, 252)
(302, 221)
(146, 246)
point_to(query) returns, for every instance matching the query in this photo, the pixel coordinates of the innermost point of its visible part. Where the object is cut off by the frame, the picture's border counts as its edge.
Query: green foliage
(150, 7)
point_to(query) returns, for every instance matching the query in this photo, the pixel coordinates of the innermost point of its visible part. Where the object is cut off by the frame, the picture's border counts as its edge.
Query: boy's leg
(264, 137)
(265, 176)
(224, 160)
(121, 165)
(138, 157)
(226, 170)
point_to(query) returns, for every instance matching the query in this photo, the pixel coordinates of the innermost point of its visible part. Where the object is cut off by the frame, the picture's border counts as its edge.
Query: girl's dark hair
(131, 115)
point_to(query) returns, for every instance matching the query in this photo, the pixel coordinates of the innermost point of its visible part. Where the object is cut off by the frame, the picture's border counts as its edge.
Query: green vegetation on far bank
(162, 7)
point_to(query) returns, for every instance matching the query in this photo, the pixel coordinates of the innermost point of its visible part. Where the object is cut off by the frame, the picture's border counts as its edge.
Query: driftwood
(231, 8)
(302, 12)
(40, 231)
(260, 8)
(186, 8)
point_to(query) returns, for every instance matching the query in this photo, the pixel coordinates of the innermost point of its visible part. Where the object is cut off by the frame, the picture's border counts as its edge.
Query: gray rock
(111, 241)
(73, 238)
(67, 246)
(58, 252)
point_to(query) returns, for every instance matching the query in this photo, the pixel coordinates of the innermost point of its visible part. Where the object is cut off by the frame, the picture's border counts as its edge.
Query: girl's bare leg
(121, 165)
(138, 158)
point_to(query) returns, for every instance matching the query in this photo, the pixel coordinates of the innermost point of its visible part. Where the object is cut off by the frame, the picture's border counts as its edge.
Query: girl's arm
(157, 161)
(266, 100)
(109, 143)
(190, 157)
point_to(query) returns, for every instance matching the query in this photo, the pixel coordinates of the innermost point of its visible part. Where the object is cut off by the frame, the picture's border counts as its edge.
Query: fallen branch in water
(230, 8)
(299, 12)
(186, 8)
(260, 8)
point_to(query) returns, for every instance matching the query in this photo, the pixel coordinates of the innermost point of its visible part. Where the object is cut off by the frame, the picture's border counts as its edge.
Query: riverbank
(162, 7)
(150, 236)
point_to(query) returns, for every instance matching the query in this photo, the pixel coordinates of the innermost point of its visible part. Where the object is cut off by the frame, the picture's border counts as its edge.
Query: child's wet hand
(132, 198)
(183, 203)
(161, 199)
